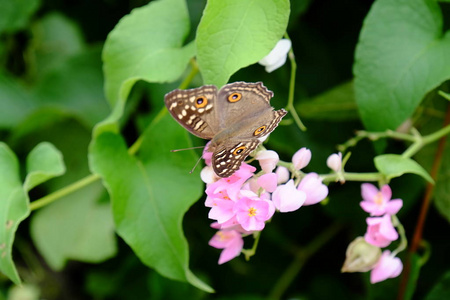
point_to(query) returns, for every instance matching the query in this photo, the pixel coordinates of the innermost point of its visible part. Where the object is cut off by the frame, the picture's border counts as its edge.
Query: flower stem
(64, 191)
(250, 252)
(401, 232)
(290, 105)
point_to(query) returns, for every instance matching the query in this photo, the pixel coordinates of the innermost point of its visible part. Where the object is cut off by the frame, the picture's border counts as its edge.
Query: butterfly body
(236, 118)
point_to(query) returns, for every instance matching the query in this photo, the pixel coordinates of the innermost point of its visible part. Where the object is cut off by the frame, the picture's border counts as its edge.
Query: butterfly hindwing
(227, 160)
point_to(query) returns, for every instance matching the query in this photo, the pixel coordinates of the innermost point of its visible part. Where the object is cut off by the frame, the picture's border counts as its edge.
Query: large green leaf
(233, 34)
(146, 45)
(44, 162)
(150, 194)
(14, 15)
(76, 227)
(402, 54)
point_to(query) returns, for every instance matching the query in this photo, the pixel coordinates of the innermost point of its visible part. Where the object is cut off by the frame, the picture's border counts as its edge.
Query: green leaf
(76, 227)
(401, 55)
(43, 163)
(441, 290)
(234, 34)
(150, 194)
(55, 37)
(146, 45)
(337, 104)
(16, 103)
(14, 15)
(13, 207)
(393, 165)
(75, 86)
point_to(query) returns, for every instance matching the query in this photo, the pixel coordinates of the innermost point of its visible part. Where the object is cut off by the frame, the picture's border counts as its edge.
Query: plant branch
(64, 191)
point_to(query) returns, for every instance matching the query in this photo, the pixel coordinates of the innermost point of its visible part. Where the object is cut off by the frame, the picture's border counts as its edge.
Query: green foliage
(146, 45)
(14, 15)
(147, 207)
(235, 34)
(441, 290)
(43, 163)
(402, 55)
(85, 135)
(83, 229)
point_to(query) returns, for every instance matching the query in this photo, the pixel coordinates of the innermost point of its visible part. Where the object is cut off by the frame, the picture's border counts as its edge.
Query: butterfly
(236, 118)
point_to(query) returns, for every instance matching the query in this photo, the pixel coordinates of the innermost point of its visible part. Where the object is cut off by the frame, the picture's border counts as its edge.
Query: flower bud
(301, 158)
(360, 256)
(268, 160)
(334, 162)
(283, 174)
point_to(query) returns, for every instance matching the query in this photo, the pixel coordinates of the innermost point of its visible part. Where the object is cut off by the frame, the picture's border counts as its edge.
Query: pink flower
(268, 160)
(252, 214)
(268, 182)
(221, 204)
(287, 198)
(222, 210)
(233, 183)
(301, 158)
(334, 162)
(283, 174)
(380, 231)
(314, 189)
(387, 267)
(230, 241)
(378, 202)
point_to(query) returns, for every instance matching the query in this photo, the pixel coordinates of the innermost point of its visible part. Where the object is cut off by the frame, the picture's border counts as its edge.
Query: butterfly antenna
(195, 166)
(176, 150)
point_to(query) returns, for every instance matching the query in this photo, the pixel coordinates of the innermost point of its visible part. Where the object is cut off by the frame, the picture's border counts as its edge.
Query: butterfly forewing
(193, 109)
(227, 160)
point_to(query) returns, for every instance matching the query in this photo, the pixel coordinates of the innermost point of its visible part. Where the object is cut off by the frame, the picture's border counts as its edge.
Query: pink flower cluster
(380, 230)
(242, 203)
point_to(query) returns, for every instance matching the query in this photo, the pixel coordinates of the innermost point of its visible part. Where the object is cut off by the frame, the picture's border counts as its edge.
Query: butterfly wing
(194, 109)
(226, 160)
(242, 100)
